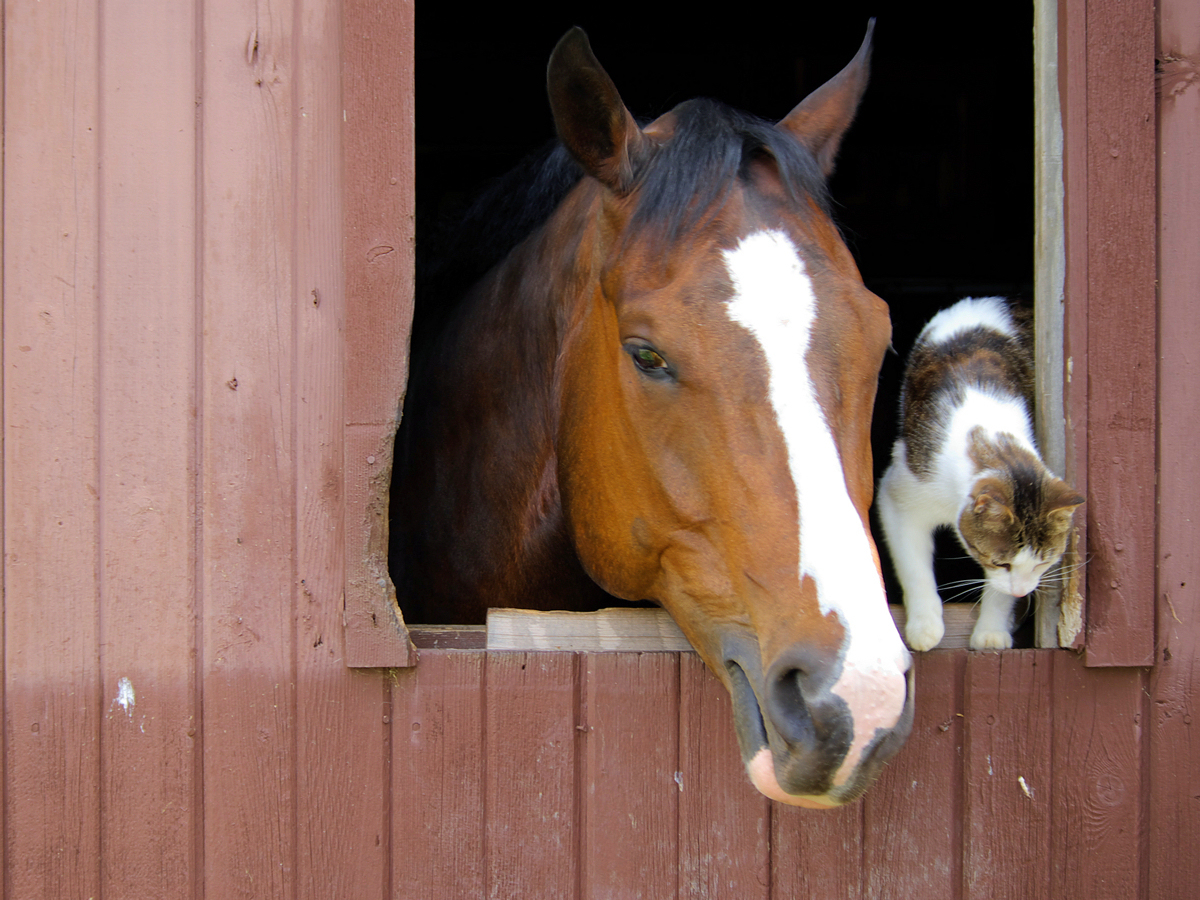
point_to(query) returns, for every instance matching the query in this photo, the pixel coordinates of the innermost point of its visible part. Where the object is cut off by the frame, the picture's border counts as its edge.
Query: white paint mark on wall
(125, 697)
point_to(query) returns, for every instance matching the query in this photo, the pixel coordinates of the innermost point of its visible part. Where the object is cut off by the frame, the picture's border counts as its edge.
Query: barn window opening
(934, 185)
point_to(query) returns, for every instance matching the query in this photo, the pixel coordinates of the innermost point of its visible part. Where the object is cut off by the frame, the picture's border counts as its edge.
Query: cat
(966, 459)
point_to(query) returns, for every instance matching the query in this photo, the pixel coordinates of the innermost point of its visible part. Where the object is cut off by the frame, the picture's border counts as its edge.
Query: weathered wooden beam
(642, 629)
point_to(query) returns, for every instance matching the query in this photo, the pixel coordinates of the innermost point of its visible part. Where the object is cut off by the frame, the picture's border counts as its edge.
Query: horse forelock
(707, 153)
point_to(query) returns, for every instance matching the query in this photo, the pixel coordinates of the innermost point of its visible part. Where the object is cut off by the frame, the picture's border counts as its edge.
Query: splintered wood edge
(641, 630)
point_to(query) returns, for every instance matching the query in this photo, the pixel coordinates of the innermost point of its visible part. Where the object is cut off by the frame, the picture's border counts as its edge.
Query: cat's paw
(985, 639)
(924, 632)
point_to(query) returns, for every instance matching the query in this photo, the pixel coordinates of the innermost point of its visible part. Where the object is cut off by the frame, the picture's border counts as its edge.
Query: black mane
(686, 180)
(690, 176)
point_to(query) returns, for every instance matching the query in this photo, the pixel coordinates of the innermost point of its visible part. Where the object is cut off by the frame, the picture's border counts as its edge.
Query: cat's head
(1017, 532)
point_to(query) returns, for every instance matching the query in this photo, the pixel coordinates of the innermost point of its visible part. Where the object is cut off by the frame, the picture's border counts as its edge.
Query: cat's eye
(1007, 567)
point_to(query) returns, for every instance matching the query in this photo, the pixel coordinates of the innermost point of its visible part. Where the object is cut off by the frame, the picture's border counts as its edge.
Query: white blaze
(773, 299)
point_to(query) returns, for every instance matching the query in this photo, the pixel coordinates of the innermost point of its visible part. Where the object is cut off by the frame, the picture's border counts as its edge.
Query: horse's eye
(649, 360)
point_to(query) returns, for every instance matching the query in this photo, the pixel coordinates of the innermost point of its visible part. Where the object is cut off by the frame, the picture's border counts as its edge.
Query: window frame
(1095, 239)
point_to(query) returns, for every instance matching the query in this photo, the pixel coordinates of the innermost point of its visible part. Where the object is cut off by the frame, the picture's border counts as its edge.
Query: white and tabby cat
(966, 459)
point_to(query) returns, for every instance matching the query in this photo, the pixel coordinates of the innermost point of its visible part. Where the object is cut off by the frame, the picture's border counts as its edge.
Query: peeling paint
(125, 697)
(1175, 75)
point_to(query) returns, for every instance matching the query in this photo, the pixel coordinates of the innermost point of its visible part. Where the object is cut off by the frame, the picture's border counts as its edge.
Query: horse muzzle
(814, 729)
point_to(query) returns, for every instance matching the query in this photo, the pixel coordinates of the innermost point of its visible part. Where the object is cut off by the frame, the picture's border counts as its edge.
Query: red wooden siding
(53, 687)
(378, 258)
(1109, 167)
(205, 271)
(1173, 754)
(609, 775)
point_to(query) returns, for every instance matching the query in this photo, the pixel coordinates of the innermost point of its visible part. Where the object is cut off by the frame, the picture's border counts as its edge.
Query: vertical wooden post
(1174, 776)
(380, 230)
(1049, 283)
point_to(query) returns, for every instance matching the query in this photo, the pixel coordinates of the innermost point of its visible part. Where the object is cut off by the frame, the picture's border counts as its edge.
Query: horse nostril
(787, 707)
(800, 705)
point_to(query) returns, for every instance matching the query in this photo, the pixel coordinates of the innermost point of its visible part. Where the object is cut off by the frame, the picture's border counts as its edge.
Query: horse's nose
(801, 708)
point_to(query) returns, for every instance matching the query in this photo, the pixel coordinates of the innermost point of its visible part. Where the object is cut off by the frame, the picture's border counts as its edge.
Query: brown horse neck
(477, 512)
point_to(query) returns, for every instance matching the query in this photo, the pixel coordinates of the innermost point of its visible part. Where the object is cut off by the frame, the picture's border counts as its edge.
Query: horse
(662, 391)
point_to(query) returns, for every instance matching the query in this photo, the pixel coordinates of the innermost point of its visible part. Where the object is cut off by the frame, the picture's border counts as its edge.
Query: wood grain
(1170, 727)
(912, 844)
(53, 699)
(724, 823)
(379, 232)
(247, 449)
(1122, 331)
(1098, 781)
(532, 830)
(438, 756)
(629, 776)
(1007, 775)
(150, 787)
(629, 630)
(651, 629)
(817, 852)
(1072, 82)
(337, 781)
(1049, 251)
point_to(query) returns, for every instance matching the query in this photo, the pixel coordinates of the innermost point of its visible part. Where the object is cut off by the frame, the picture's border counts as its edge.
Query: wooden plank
(1173, 747)
(248, 467)
(342, 826)
(1072, 75)
(1122, 331)
(449, 637)
(959, 619)
(645, 629)
(816, 852)
(606, 629)
(437, 795)
(1098, 788)
(51, 489)
(532, 744)
(1008, 778)
(379, 229)
(630, 780)
(724, 823)
(1049, 278)
(150, 792)
(912, 840)
(375, 631)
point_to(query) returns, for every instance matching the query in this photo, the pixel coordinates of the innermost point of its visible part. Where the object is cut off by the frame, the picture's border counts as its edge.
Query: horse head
(714, 387)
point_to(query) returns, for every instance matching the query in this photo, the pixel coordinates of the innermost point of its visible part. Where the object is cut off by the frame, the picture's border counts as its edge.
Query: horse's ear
(592, 122)
(824, 115)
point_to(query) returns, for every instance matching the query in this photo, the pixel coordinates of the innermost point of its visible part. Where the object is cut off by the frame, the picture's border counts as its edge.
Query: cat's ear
(990, 502)
(1061, 500)
(993, 508)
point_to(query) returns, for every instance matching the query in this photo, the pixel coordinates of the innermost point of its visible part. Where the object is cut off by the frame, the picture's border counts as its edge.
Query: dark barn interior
(934, 183)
